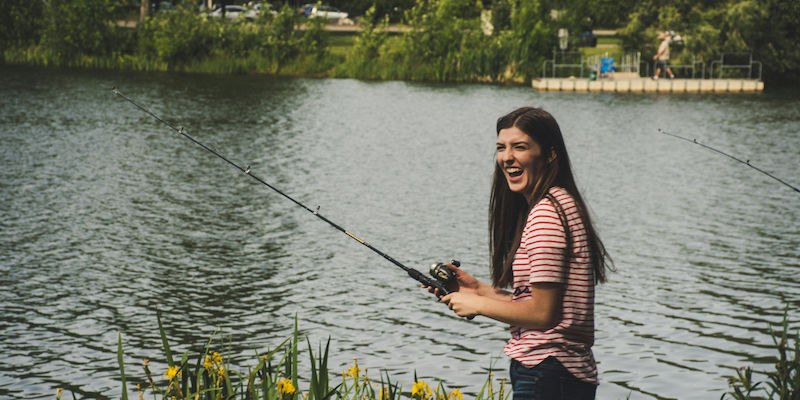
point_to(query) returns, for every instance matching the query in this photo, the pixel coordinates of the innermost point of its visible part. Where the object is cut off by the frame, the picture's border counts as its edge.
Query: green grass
(340, 43)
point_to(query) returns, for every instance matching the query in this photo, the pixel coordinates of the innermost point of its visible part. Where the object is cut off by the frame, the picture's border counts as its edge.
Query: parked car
(162, 6)
(587, 39)
(305, 10)
(258, 8)
(328, 12)
(231, 12)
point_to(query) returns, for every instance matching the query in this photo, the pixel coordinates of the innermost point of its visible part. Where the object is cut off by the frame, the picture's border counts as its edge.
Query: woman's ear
(552, 155)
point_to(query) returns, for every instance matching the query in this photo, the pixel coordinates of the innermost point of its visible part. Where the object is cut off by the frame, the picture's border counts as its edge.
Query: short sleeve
(545, 241)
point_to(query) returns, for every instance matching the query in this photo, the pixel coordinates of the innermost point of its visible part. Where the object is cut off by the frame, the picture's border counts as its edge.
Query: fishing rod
(730, 156)
(439, 271)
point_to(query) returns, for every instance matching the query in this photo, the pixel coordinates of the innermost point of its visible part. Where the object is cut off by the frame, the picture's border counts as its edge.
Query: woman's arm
(541, 311)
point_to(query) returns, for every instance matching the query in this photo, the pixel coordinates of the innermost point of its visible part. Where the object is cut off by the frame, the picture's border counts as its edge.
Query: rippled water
(106, 216)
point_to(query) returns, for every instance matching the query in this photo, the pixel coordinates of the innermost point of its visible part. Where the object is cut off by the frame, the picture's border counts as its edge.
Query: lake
(107, 216)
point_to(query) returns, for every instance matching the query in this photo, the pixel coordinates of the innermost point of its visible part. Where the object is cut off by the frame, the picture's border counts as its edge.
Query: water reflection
(108, 216)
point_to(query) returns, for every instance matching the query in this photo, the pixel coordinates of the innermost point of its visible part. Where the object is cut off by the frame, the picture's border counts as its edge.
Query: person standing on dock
(662, 56)
(545, 250)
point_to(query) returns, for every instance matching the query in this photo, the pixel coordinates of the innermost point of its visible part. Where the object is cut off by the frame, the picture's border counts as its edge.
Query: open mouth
(514, 171)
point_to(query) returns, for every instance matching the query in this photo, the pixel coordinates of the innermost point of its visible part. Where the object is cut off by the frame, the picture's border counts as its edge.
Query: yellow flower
(171, 372)
(354, 370)
(455, 395)
(221, 371)
(217, 358)
(207, 363)
(422, 390)
(58, 392)
(285, 386)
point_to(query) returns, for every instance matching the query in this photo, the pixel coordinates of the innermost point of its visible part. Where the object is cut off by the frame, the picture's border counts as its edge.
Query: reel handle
(444, 277)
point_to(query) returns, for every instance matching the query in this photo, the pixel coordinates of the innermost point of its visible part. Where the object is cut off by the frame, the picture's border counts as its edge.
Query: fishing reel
(443, 274)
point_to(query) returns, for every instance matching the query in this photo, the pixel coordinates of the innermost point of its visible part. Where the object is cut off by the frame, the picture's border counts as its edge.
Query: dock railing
(735, 62)
(691, 69)
(572, 60)
(623, 62)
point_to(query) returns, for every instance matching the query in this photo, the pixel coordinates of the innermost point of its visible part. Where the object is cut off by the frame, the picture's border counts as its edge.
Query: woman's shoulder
(546, 208)
(560, 194)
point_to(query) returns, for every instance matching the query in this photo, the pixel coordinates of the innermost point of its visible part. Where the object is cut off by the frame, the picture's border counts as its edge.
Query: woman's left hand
(464, 304)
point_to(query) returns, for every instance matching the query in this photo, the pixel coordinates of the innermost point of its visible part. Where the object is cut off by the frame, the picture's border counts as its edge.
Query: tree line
(447, 40)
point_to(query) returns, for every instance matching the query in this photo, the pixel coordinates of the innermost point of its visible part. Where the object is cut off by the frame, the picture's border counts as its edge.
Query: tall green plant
(440, 31)
(178, 37)
(80, 27)
(533, 38)
(782, 383)
(363, 60)
(283, 44)
(20, 23)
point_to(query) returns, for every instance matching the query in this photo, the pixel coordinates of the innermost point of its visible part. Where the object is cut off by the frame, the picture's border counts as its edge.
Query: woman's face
(520, 159)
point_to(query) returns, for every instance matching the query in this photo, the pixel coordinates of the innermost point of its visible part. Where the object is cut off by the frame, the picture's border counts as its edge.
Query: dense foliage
(445, 40)
(766, 29)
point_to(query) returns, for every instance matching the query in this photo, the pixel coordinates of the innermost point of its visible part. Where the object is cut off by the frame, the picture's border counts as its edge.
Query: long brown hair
(508, 211)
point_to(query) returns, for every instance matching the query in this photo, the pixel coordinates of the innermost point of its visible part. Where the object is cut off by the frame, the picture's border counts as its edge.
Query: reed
(783, 382)
(275, 376)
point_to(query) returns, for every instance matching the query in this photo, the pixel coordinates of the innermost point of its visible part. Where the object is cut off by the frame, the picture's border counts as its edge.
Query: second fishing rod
(442, 275)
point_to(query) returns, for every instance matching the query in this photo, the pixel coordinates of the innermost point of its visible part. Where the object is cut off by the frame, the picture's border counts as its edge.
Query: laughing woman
(544, 248)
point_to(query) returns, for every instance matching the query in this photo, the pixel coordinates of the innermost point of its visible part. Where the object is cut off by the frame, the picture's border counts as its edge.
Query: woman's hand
(464, 304)
(464, 282)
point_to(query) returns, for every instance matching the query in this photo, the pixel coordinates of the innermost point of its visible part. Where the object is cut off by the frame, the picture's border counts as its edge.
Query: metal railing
(691, 68)
(631, 62)
(564, 60)
(623, 62)
(737, 62)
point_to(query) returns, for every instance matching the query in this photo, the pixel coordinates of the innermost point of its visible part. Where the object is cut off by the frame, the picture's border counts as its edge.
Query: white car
(231, 12)
(256, 10)
(328, 12)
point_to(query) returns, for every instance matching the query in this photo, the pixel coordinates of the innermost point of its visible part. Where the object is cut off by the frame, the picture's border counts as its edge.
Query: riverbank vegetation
(209, 375)
(443, 40)
(783, 383)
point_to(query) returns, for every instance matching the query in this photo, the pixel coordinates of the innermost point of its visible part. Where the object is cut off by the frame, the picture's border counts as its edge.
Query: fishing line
(413, 273)
(747, 162)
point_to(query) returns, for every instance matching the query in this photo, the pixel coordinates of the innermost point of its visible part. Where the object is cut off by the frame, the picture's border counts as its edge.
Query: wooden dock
(643, 85)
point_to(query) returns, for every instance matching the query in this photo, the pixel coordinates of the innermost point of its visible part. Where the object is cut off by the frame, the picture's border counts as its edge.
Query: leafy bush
(20, 23)
(178, 37)
(80, 27)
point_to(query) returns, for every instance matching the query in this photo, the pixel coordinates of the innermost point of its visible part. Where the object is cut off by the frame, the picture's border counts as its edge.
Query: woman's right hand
(465, 282)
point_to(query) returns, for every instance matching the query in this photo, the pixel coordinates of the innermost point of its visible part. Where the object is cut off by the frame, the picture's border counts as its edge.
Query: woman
(544, 247)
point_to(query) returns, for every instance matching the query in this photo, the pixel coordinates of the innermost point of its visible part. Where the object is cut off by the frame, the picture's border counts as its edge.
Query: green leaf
(164, 342)
(121, 366)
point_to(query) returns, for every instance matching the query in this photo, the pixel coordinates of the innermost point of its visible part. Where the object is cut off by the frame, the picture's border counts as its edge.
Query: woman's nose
(505, 157)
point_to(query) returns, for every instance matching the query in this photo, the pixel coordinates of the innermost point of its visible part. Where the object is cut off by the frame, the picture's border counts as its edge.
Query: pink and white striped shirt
(540, 258)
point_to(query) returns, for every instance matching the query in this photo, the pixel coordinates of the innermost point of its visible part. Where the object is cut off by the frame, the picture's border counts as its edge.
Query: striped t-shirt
(540, 259)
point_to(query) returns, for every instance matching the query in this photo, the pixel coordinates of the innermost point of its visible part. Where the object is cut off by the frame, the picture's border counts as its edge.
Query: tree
(20, 23)
(80, 27)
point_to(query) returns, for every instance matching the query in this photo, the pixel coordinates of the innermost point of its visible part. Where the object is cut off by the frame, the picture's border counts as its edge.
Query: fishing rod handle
(423, 279)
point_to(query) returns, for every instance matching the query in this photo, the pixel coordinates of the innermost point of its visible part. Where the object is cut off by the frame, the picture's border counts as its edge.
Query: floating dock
(643, 85)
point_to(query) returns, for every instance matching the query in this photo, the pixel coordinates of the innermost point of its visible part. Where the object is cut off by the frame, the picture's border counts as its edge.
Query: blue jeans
(548, 381)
